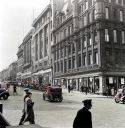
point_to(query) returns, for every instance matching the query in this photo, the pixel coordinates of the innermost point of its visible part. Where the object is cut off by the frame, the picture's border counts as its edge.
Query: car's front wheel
(5, 97)
(116, 100)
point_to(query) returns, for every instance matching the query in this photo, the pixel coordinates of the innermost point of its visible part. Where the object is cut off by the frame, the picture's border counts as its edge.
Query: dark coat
(83, 119)
(30, 111)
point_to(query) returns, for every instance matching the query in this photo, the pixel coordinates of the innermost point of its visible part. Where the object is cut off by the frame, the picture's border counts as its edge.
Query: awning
(41, 72)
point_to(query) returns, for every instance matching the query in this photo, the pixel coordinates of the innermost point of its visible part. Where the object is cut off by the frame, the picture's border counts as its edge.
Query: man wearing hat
(83, 118)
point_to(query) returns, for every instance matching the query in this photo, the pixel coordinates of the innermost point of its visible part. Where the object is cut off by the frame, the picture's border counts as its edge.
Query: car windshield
(56, 90)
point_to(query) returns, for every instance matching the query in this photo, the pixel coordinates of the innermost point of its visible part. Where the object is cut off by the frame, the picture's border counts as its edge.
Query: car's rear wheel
(44, 97)
(60, 99)
(5, 97)
(116, 100)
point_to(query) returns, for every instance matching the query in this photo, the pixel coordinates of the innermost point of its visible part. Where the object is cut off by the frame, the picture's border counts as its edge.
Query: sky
(16, 18)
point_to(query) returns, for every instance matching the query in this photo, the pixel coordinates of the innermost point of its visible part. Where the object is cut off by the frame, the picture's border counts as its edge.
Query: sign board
(110, 80)
(122, 80)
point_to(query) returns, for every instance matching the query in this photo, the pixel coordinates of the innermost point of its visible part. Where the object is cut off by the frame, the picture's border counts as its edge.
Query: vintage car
(53, 93)
(4, 93)
(120, 96)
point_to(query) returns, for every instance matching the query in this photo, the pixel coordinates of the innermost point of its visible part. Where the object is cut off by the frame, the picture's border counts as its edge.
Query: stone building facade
(20, 62)
(89, 45)
(41, 45)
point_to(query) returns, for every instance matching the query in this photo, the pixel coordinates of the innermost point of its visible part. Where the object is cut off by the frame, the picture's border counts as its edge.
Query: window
(65, 66)
(94, 14)
(61, 52)
(65, 51)
(106, 35)
(36, 47)
(121, 16)
(96, 58)
(95, 36)
(89, 40)
(86, 5)
(69, 30)
(69, 63)
(85, 20)
(62, 66)
(115, 36)
(69, 49)
(84, 42)
(73, 62)
(58, 67)
(84, 60)
(79, 60)
(107, 13)
(55, 67)
(73, 47)
(89, 18)
(110, 1)
(123, 37)
(117, 1)
(64, 33)
(90, 58)
(55, 55)
(79, 45)
(122, 2)
(115, 14)
(41, 44)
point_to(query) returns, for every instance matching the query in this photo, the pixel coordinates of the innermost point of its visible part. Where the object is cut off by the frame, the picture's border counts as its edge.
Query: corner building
(89, 45)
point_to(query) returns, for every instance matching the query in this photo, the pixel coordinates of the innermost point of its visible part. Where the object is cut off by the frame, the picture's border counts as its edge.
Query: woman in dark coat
(83, 118)
(29, 109)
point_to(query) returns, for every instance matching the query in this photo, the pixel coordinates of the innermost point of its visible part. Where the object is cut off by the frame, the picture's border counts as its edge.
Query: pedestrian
(86, 90)
(29, 109)
(14, 88)
(69, 88)
(24, 109)
(83, 118)
(82, 89)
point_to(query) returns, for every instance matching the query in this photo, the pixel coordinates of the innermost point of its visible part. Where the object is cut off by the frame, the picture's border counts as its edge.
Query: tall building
(27, 68)
(89, 45)
(41, 44)
(20, 62)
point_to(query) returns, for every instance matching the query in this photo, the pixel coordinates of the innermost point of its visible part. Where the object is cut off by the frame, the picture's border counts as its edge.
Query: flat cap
(87, 101)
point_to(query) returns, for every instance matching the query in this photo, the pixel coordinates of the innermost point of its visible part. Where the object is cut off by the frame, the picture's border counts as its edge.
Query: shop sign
(122, 80)
(110, 80)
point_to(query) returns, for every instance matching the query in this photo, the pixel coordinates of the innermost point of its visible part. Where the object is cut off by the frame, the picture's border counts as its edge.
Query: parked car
(120, 96)
(53, 93)
(4, 93)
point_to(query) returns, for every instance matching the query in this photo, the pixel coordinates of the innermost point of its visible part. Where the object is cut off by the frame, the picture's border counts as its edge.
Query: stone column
(102, 84)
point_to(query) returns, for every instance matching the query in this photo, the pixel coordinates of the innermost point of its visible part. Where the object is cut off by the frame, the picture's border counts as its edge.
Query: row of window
(63, 34)
(82, 43)
(117, 15)
(121, 2)
(63, 66)
(43, 19)
(117, 36)
(85, 6)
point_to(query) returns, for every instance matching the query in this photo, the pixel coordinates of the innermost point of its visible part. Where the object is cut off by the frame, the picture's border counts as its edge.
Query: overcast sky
(16, 17)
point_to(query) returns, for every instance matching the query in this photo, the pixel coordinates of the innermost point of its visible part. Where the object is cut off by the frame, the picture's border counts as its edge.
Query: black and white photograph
(62, 64)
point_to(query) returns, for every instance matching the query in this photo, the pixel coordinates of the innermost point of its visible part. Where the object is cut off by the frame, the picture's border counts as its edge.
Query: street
(105, 112)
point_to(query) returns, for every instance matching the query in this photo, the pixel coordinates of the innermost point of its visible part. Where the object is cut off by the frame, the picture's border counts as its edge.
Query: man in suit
(83, 118)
